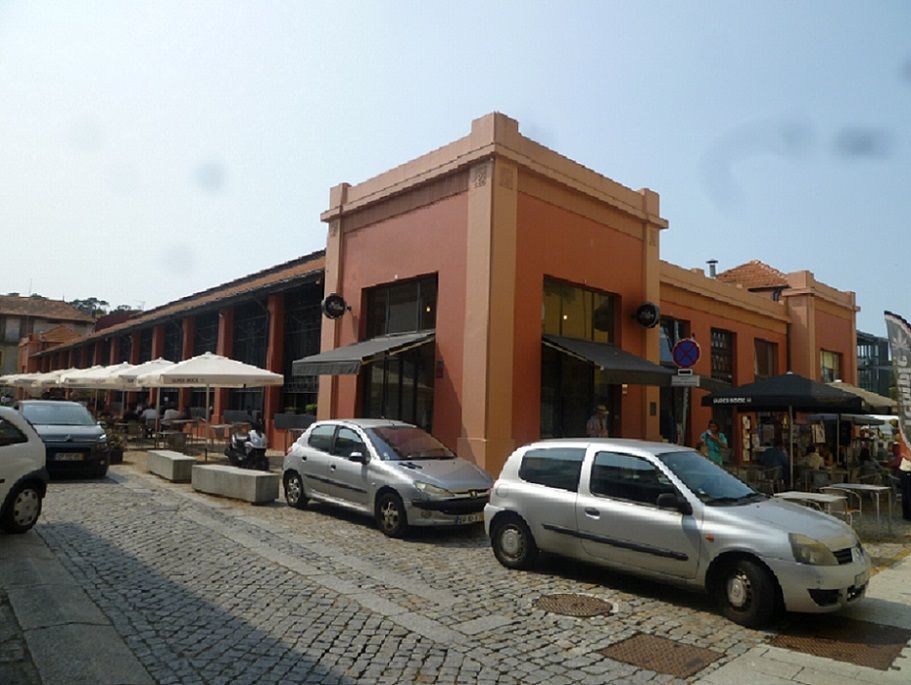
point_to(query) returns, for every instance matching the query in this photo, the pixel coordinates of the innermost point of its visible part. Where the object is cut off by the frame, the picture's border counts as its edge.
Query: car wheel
(513, 544)
(23, 509)
(294, 491)
(390, 515)
(101, 471)
(745, 592)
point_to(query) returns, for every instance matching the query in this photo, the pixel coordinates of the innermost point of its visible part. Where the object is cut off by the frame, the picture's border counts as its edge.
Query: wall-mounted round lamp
(647, 315)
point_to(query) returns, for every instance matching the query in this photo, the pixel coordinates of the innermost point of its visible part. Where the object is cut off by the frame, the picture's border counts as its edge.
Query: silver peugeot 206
(394, 471)
(668, 513)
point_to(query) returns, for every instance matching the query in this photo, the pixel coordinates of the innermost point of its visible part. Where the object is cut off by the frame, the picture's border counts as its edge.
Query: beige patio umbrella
(211, 371)
(875, 403)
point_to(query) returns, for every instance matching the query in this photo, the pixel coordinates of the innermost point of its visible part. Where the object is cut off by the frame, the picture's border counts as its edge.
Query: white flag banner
(899, 332)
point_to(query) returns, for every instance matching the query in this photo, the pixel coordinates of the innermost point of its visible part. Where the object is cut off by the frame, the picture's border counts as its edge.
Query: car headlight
(432, 490)
(809, 551)
(103, 437)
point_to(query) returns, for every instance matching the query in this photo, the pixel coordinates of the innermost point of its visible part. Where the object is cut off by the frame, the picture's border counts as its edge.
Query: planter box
(256, 487)
(172, 466)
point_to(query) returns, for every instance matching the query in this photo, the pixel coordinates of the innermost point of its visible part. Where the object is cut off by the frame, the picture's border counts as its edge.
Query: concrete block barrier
(257, 487)
(172, 466)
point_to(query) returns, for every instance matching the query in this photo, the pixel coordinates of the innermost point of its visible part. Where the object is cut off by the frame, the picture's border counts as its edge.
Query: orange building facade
(514, 239)
(503, 291)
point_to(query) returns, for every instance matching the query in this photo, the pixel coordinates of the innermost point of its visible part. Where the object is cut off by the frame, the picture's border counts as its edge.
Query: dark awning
(618, 366)
(789, 390)
(348, 360)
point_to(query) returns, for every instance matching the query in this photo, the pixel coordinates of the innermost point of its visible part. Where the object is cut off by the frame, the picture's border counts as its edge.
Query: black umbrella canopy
(789, 390)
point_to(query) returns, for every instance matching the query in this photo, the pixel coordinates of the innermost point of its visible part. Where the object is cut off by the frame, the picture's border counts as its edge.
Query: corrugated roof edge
(150, 316)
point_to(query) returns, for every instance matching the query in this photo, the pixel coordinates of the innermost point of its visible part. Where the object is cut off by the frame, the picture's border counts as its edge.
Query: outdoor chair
(817, 479)
(769, 480)
(843, 508)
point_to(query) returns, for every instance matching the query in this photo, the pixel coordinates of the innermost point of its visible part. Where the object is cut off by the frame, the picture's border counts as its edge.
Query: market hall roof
(40, 307)
(271, 279)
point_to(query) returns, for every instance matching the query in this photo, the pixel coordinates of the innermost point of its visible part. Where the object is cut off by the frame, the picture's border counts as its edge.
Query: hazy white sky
(152, 149)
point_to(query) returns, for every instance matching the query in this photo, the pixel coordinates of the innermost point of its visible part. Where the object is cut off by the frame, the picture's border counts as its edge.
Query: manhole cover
(661, 655)
(574, 605)
(855, 642)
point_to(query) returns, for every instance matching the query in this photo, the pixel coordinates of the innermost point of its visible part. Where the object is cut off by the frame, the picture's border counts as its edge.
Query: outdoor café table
(878, 490)
(814, 497)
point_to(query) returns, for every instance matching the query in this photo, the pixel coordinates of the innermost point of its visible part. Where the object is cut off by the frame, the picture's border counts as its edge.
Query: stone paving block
(84, 655)
(53, 605)
(256, 487)
(17, 571)
(483, 624)
(170, 465)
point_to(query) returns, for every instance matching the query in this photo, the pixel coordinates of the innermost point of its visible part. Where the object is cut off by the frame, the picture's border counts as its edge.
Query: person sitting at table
(813, 459)
(171, 413)
(871, 472)
(775, 457)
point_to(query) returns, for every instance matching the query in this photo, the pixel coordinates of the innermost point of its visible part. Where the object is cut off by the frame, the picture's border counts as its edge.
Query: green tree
(91, 306)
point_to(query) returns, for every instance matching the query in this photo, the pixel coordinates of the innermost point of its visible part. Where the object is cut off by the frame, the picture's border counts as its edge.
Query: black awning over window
(618, 366)
(349, 359)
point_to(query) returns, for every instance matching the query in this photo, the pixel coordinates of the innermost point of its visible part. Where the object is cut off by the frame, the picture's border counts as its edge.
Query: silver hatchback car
(391, 470)
(668, 513)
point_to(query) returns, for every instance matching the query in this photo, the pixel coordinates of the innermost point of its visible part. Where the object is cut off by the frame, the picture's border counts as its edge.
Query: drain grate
(661, 655)
(574, 605)
(855, 642)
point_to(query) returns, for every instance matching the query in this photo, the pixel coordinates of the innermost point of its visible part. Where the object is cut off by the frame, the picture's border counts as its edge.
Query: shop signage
(899, 332)
(648, 315)
(685, 379)
(334, 306)
(686, 353)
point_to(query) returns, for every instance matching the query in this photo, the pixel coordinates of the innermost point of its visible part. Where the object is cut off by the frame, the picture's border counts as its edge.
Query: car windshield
(57, 414)
(404, 443)
(709, 482)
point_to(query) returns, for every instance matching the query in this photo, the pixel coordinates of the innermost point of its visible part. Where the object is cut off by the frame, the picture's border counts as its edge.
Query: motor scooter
(248, 449)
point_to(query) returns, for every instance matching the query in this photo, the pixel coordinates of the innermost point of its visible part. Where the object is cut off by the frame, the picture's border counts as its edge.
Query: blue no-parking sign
(686, 353)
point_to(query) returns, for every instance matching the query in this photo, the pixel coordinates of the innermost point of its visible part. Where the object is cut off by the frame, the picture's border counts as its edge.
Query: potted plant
(116, 444)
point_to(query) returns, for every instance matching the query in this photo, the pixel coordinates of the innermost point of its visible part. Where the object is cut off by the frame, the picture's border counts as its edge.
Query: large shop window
(829, 366)
(402, 307)
(205, 339)
(400, 386)
(145, 345)
(302, 338)
(766, 359)
(571, 387)
(173, 341)
(250, 340)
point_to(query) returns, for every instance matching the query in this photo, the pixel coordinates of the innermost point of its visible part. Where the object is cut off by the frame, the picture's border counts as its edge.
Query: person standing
(596, 427)
(903, 456)
(714, 442)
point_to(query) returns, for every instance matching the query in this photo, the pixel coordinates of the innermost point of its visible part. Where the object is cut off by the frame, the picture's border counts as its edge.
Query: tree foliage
(91, 306)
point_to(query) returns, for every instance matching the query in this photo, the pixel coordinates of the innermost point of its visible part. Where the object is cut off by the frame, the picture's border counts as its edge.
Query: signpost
(685, 354)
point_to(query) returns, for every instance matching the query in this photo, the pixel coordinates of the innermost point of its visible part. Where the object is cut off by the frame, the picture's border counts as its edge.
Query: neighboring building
(490, 292)
(874, 364)
(823, 336)
(21, 317)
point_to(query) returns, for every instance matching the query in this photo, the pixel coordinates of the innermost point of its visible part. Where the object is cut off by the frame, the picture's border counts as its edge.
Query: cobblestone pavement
(204, 590)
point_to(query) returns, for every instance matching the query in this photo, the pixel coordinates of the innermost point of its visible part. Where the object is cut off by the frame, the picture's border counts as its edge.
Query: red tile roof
(58, 334)
(40, 307)
(754, 274)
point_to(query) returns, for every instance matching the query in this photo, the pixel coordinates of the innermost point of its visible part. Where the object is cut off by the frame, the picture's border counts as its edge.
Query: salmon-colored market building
(495, 291)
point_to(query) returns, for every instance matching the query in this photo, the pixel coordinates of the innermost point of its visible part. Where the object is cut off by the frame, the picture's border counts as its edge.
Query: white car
(23, 475)
(668, 513)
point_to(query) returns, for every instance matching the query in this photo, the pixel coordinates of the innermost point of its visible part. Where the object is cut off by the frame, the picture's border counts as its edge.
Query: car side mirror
(671, 500)
(358, 457)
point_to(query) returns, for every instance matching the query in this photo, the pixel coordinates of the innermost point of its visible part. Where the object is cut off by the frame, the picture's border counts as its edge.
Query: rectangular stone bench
(257, 487)
(170, 465)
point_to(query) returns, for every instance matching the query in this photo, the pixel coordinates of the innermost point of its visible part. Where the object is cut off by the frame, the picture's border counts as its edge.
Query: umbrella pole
(206, 436)
(838, 438)
(791, 441)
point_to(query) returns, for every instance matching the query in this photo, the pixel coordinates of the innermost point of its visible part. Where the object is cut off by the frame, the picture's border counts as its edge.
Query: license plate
(470, 518)
(861, 579)
(69, 456)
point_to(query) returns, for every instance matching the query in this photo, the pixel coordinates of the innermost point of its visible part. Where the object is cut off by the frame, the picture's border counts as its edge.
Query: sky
(152, 150)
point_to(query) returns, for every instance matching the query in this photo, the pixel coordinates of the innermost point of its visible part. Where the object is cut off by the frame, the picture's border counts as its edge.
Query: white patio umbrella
(14, 379)
(147, 369)
(111, 380)
(46, 380)
(211, 371)
(84, 379)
